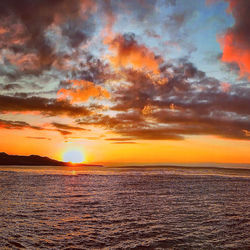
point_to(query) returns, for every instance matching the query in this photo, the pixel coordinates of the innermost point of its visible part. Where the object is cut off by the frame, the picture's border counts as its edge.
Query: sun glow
(73, 156)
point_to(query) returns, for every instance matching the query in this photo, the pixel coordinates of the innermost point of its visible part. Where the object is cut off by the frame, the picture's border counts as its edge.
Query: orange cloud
(81, 90)
(127, 52)
(147, 110)
(232, 53)
(246, 132)
(235, 42)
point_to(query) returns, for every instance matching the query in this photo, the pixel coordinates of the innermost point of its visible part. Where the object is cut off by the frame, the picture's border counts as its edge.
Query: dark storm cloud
(44, 106)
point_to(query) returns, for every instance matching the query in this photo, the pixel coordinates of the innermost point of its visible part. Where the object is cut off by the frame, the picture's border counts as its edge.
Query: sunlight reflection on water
(140, 170)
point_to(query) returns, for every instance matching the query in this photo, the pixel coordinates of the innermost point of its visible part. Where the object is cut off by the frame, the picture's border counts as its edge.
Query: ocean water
(124, 208)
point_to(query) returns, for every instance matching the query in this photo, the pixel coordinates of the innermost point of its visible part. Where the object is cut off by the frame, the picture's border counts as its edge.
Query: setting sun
(73, 156)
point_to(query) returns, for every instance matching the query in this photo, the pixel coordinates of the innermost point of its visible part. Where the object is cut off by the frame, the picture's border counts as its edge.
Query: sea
(146, 207)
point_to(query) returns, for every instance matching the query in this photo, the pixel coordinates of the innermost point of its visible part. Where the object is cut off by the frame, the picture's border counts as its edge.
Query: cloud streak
(65, 126)
(7, 124)
(44, 106)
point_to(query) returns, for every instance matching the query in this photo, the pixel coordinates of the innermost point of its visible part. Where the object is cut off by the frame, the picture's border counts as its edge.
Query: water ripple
(123, 211)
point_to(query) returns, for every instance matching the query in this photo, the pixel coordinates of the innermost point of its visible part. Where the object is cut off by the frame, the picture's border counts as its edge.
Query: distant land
(33, 160)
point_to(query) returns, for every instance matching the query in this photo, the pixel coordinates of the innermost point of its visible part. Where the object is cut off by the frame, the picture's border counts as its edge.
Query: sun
(73, 156)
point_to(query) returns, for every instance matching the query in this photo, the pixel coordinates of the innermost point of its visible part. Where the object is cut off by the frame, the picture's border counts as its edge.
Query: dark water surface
(49, 208)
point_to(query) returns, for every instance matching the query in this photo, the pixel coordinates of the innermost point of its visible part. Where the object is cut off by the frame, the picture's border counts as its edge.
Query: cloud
(10, 86)
(81, 90)
(235, 42)
(63, 129)
(126, 86)
(25, 27)
(91, 69)
(124, 142)
(28, 62)
(128, 53)
(38, 138)
(151, 134)
(189, 104)
(77, 31)
(7, 124)
(67, 127)
(247, 133)
(44, 106)
(64, 132)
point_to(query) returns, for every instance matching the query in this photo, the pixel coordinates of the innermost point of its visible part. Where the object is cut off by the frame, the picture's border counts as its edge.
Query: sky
(126, 81)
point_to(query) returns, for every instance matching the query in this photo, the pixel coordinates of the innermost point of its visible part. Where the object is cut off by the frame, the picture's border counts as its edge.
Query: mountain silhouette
(33, 160)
